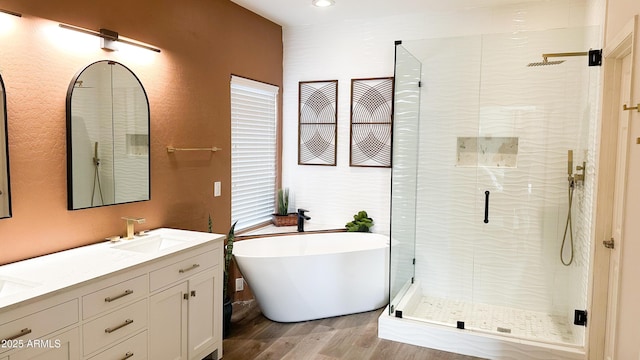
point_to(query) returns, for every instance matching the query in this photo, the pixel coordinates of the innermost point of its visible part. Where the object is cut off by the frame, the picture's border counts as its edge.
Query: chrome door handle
(194, 266)
(126, 322)
(126, 292)
(22, 333)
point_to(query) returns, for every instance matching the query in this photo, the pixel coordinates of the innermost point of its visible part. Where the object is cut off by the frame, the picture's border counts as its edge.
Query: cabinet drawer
(39, 324)
(134, 348)
(114, 326)
(65, 346)
(183, 269)
(113, 296)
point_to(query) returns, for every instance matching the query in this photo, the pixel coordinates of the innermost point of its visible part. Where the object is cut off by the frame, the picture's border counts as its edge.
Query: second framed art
(371, 122)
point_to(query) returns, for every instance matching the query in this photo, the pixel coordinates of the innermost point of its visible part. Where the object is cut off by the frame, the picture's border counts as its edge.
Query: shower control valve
(581, 169)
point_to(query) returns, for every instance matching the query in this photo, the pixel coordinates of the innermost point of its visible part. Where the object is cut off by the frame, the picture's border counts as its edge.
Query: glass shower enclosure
(492, 183)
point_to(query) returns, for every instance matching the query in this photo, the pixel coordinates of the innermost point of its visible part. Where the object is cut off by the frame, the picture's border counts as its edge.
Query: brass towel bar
(171, 149)
(625, 107)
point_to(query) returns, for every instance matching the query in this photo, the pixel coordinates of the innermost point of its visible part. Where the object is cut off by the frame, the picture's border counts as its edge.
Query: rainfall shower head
(546, 62)
(594, 58)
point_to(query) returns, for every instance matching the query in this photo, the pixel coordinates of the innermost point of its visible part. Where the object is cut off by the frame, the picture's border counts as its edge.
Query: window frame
(266, 89)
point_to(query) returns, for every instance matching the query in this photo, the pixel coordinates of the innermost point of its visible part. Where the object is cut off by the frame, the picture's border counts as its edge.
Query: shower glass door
(529, 117)
(406, 119)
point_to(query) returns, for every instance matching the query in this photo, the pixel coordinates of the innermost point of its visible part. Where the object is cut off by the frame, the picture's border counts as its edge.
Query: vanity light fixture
(109, 38)
(323, 3)
(11, 12)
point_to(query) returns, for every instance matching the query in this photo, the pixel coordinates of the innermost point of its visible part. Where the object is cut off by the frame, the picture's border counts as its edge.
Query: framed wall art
(371, 122)
(317, 120)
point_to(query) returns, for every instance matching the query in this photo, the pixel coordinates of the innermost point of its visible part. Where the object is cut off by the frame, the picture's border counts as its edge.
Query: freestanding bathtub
(313, 276)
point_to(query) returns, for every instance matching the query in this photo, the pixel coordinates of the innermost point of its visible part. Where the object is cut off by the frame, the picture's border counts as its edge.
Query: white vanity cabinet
(148, 306)
(185, 314)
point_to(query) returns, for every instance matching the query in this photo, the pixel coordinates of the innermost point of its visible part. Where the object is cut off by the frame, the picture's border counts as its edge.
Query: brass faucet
(130, 225)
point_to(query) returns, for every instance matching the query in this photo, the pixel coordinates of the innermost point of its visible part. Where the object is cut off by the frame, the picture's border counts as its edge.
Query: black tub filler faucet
(301, 218)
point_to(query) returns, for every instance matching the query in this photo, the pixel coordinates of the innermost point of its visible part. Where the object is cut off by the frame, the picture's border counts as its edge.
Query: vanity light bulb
(111, 45)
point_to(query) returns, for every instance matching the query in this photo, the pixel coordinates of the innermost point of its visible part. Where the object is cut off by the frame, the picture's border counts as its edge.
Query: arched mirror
(107, 137)
(5, 195)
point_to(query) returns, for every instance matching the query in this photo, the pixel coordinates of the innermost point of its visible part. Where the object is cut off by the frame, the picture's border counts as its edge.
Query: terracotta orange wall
(203, 42)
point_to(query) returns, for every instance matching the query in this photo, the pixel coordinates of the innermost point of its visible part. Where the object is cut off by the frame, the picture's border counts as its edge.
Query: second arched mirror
(107, 137)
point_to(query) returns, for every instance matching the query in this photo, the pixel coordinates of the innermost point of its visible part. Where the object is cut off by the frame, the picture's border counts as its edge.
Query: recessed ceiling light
(323, 3)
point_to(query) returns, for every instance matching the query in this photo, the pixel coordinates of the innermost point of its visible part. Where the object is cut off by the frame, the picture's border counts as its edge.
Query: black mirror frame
(69, 137)
(6, 149)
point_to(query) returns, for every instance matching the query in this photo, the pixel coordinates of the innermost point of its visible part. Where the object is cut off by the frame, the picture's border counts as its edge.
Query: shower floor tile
(514, 322)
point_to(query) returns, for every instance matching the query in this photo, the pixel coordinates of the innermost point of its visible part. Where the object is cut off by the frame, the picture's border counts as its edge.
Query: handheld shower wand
(96, 175)
(568, 228)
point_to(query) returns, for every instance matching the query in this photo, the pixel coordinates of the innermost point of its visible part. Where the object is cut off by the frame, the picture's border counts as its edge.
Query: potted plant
(361, 222)
(282, 217)
(227, 307)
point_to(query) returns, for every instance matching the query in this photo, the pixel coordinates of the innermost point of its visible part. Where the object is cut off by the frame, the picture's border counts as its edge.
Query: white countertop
(49, 273)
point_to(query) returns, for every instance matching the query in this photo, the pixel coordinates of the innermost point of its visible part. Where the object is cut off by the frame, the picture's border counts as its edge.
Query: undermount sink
(149, 245)
(10, 286)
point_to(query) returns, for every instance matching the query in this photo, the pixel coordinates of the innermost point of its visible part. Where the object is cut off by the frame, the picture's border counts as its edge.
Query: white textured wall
(92, 122)
(130, 119)
(365, 48)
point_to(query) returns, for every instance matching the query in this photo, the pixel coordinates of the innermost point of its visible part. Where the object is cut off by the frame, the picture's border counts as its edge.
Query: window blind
(253, 151)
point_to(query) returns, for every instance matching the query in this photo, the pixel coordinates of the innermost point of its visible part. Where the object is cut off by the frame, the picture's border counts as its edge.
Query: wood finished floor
(345, 337)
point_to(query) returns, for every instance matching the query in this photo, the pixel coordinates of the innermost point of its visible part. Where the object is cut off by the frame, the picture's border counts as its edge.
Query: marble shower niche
(487, 151)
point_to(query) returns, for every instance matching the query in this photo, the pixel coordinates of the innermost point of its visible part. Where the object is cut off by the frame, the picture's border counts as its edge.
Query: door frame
(620, 46)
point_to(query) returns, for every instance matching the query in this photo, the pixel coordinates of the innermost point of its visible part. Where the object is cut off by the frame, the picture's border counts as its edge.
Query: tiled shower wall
(479, 87)
(131, 138)
(364, 48)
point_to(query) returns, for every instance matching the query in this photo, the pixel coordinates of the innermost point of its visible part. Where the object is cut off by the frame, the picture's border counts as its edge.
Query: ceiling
(300, 12)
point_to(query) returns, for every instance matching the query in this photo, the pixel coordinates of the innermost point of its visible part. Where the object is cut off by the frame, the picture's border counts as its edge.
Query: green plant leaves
(361, 222)
(283, 201)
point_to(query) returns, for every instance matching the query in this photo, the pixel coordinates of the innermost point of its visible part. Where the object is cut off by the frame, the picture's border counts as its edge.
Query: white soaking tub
(312, 276)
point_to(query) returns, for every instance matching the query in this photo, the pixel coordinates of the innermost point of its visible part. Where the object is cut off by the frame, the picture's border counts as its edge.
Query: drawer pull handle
(22, 333)
(126, 292)
(193, 293)
(127, 355)
(194, 266)
(126, 322)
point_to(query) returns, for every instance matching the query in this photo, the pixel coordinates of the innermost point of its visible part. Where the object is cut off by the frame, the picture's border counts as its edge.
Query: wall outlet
(239, 284)
(216, 188)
